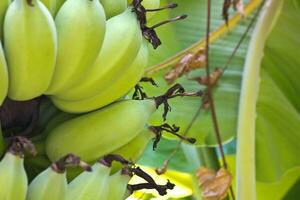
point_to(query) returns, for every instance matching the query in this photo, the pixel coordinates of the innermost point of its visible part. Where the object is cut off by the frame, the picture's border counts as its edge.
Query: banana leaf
(276, 109)
(269, 119)
(179, 36)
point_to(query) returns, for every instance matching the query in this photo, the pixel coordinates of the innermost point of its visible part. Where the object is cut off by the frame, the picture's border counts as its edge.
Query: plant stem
(210, 95)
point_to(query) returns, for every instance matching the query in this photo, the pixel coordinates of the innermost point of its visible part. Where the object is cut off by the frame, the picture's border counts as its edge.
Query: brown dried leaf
(187, 63)
(239, 6)
(214, 185)
(213, 79)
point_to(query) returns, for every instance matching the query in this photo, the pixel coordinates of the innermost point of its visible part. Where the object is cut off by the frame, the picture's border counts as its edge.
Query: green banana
(90, 185)
(50, 4)
(48, 185)
(116, 89)
(13, 178)
(134, 149)
(117, 184)
(52, 184)
(113, 8)
(3, 76)
(149, 4)
(100, 132)
(121, 45)
(3, 7)
(80, 29)
(30, 61)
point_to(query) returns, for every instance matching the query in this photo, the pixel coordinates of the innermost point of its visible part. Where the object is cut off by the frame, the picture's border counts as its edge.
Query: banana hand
(114, 91)
(121, 45)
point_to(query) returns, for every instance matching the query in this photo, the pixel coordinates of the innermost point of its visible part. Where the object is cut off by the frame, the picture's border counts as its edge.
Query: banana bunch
(91, 52)
(76, 59)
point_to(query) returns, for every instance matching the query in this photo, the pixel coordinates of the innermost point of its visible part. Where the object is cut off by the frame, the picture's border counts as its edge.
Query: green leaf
(269, 124)
(155, 159)
(226, 94)
(278, 106)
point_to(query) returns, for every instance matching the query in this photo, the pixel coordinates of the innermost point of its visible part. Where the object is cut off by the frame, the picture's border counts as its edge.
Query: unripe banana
(48, 185)
(52, 182)
(121, 45)
(149, 4)
(116, 89)
(3, 76)
(117, 184)
(30, 61)
(3, 7)
(80, 28)
(134, 149)
(100, 132)
(13, 179)
(51, 5)
(113, 8)
(90, 185)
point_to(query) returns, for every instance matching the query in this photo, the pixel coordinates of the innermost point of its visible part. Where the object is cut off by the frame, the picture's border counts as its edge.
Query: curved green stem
(246, 181)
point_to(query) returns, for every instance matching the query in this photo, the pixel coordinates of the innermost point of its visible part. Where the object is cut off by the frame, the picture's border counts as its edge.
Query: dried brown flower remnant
(214, 185)
(186, 64)
(213, 79)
